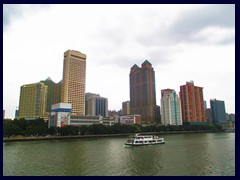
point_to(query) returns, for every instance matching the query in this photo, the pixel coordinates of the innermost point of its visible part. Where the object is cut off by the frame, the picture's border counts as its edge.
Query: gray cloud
(8, 12)
(155, 56)
(13, 11)
(189, 23)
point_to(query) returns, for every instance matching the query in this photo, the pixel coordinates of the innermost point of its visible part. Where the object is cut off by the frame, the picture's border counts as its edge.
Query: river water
(195, 154)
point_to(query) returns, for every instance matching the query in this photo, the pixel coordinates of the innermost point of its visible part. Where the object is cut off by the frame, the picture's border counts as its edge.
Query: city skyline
(182, 42)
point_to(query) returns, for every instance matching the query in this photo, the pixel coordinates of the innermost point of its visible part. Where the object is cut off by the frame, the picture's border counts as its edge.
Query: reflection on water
(197, 154)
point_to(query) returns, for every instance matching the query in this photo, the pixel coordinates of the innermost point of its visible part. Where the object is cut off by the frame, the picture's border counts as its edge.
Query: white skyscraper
(170, 108)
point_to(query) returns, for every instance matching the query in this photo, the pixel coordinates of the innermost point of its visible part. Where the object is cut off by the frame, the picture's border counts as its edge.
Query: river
(195, 154)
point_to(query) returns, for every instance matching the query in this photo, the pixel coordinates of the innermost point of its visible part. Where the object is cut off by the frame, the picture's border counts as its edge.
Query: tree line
(39, 127)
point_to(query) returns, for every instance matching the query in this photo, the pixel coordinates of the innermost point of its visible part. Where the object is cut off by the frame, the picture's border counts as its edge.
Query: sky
(182, 42)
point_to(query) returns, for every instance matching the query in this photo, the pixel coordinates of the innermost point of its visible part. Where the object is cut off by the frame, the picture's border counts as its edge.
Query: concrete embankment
(37, 138)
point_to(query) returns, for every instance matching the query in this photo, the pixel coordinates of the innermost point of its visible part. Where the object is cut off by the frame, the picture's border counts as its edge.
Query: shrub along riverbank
(38, 129)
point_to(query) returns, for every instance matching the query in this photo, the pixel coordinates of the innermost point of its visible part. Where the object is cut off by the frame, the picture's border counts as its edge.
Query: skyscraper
(171, 109)
(53, 94)
(142, 92)
(126, 107)
(33, 100)
(96, 105)
(218, 112)
(208, 113)
(73, 83)
(192, 104)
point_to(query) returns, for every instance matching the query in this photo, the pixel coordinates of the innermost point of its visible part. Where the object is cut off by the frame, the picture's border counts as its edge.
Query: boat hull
(131, 144)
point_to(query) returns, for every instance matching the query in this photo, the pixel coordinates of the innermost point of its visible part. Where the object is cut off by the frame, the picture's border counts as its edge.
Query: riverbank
(37, 138)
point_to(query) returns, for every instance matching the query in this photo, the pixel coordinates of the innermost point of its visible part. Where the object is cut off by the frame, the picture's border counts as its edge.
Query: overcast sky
(183, 43)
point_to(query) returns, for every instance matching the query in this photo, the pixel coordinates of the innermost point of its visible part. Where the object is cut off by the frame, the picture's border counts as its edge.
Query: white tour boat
(139, 140)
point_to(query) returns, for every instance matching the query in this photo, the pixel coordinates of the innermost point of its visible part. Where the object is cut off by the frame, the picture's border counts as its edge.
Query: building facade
(73, 82)
(96, 105)
(54, 93)
(231, 117)
(192, 104)
(142, 92)
(33, 101)
(218, 112)
(208, 113)
(16, 114)
(171, 108)
(126, 108)
(205, 105)
(130, 119)
(60, 115)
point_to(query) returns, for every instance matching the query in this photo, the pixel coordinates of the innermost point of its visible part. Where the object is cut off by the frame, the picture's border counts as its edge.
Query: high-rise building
(171, 109)
(142, 92)
(126, 108)
(208, 113)
(33, 101)
(73, 83)
(16, 114)
(218, 112)
(157, 114)
(96, 105)
(192, 104)
(54, 93)
(205, 104)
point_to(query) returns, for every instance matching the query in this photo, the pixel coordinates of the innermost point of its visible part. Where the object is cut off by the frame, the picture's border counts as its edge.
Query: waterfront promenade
(36, 138)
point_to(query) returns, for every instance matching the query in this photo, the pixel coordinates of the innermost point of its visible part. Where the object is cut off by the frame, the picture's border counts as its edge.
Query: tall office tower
(218, 112)
(16, 114)
(142, 92)
(96, 105)
(208, 113)
(126, 108)
(54, 93)
(157, 114)
(73, 83)
(192, 104)
(33, 101)
(205, 105)
(171, 109)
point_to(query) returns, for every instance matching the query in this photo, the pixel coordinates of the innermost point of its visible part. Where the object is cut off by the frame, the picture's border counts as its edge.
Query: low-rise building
(83, 120)
(130, 119)
(60, 115)
(107, 121)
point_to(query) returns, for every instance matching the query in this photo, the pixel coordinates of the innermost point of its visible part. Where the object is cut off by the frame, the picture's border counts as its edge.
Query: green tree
(52, 131)
(68, 130)
(36, 130)
(10, 129)
(22, 123)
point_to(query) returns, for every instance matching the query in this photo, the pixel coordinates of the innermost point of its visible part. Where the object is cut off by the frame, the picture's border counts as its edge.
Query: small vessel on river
(139, 140)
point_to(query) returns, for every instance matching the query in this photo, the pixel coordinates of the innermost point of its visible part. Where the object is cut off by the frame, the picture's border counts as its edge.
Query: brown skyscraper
(142, 92)
(74, 77)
